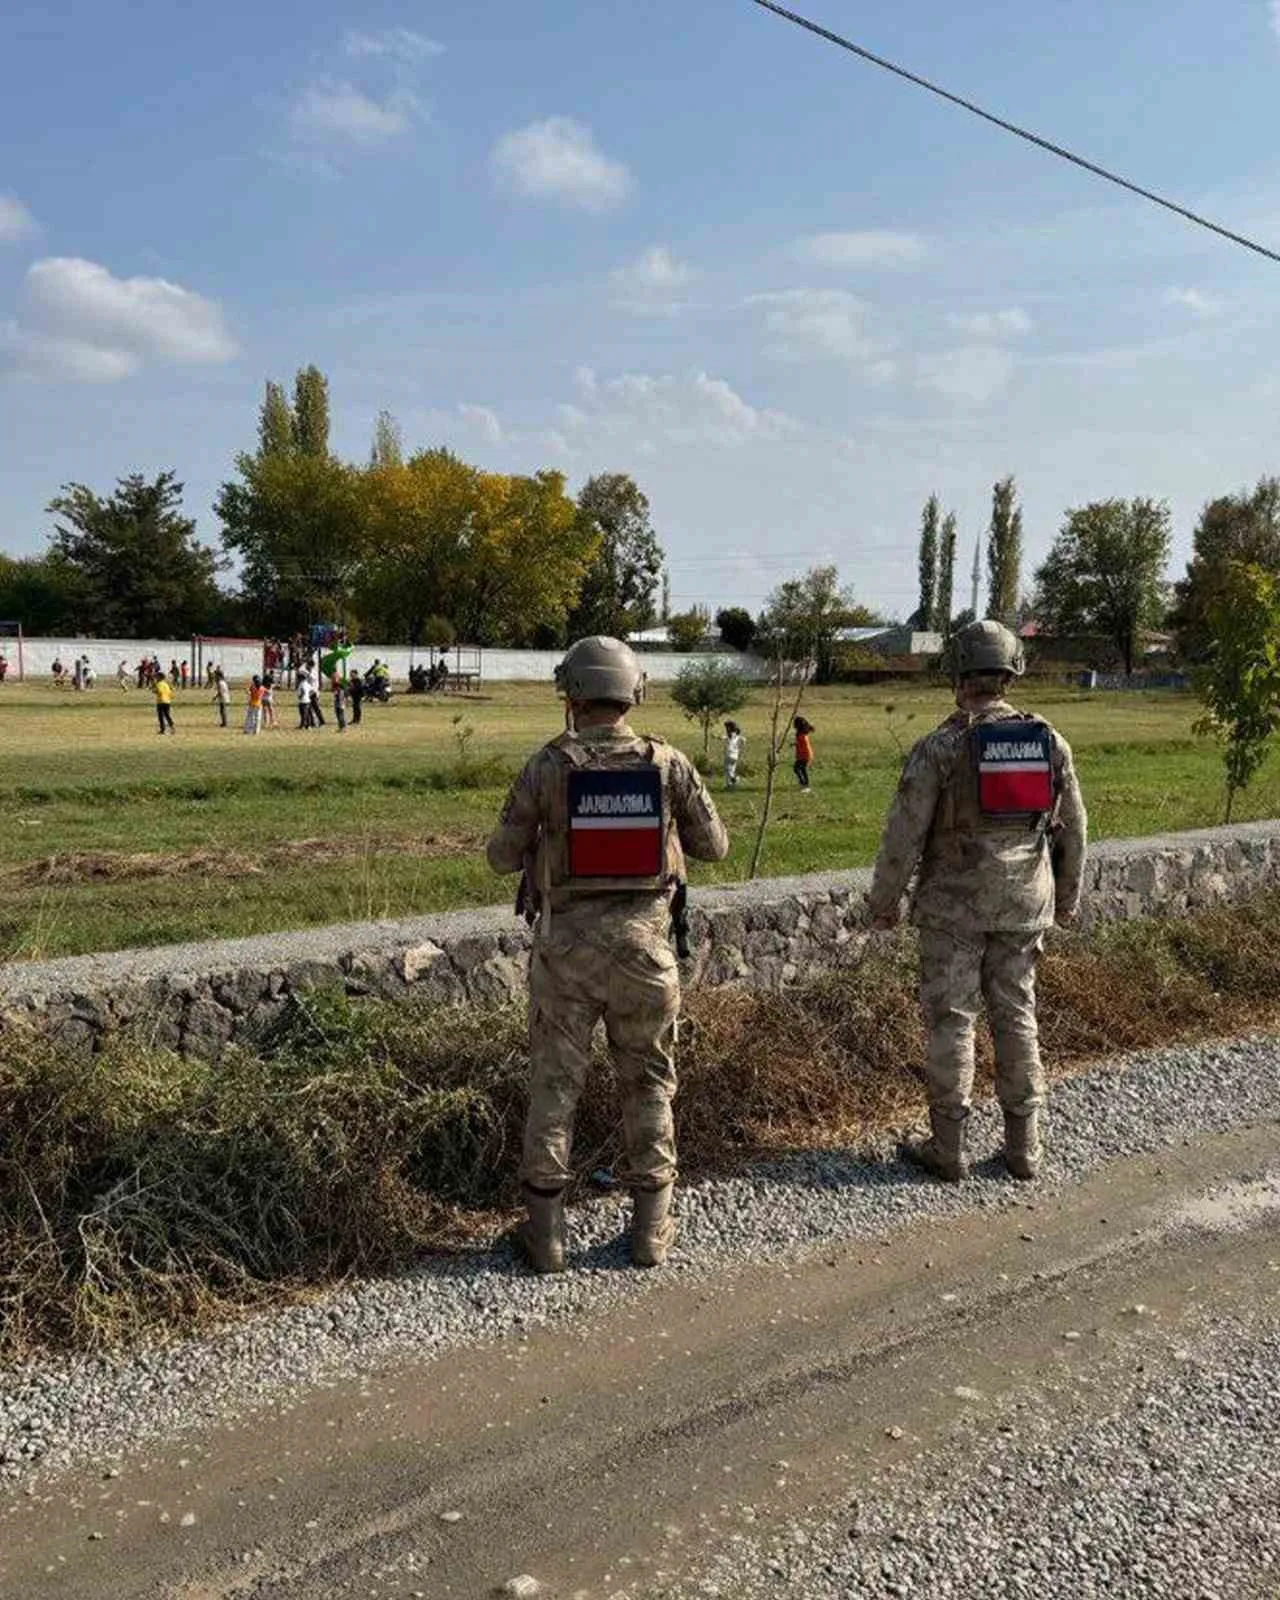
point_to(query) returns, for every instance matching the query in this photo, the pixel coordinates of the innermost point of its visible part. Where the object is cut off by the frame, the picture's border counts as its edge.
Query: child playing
(804, 749)
(269, 701)
(253, 711)
(733, 742)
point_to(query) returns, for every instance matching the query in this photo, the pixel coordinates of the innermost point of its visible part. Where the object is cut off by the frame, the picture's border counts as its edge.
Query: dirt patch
(117, 866)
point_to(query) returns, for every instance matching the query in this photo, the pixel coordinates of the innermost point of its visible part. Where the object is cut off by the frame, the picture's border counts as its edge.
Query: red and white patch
(1015, 768)
(615, 824)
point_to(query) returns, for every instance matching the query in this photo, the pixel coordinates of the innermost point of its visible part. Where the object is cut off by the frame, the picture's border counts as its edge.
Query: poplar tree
(275, 423)
(388, 442)
(928, 561)
(311, 413)
(945, 597)
(1004, 552)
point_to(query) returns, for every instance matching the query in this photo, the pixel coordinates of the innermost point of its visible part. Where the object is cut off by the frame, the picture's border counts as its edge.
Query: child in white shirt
(733, 743)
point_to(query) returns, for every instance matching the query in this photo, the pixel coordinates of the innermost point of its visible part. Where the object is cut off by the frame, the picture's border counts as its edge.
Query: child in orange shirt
(804, 750)
(253, 712)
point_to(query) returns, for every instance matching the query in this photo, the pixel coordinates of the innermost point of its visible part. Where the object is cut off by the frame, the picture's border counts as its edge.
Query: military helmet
(987, 646)
(599, 668)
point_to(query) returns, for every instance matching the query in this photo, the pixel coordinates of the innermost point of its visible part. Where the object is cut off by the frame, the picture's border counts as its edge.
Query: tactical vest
(1003, 776)
(611, 829)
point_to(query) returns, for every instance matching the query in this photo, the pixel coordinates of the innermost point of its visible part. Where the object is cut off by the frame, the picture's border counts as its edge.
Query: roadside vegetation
(144, 1193)
(113, 837)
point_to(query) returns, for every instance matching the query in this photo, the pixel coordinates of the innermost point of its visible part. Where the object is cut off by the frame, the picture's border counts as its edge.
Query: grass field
(115, 837)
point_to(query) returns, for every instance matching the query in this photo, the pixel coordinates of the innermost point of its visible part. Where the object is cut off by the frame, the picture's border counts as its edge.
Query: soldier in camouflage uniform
(992, 879)
(581, 820)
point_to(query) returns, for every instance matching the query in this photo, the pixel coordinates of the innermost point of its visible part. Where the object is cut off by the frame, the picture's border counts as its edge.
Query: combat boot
(653, 1228)
(1023, 1151)
(942, 1153)
(542, 1234)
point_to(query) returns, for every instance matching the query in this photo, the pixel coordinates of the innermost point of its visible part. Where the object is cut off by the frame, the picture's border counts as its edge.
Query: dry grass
(143, 1192)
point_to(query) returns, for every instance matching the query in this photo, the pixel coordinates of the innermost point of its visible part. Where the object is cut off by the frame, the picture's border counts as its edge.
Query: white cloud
(558, 160)
(690, 409)
(975, 373)
(992, 324)
(1275, 17)
(81, 323)
(484, 420)
(402, 45)
(16, 222)
(1200, 305)
(872, 247)
(34, 355)
(329, 109)
(828, 323)
(651, 285)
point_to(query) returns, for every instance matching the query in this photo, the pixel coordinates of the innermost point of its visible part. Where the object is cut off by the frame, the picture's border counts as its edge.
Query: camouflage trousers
(600, 963)
(957, 973)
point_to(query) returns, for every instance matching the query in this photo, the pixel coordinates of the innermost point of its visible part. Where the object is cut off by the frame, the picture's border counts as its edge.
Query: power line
(1012, 127)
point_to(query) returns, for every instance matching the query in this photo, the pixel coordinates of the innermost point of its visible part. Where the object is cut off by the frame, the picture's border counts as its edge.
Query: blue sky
(789, 293)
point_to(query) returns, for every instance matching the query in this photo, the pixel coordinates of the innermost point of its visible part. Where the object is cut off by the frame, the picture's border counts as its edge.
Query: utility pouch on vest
(1014, 762)
(616, 827)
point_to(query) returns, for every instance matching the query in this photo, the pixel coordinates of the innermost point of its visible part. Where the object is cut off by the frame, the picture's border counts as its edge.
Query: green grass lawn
(116, 837)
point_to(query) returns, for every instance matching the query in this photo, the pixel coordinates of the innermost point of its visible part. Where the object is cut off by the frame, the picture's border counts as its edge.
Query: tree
(275, 423)
(1234, 528)
(945, 597)
(802, 617)
(44, 593)
(928, 562)
(737, 627)
(689, 628)
(666, 594)
(706, 691)
(296, 521)
(617, 595)
(417, 542)
(311, 413)
(1105, 573)
(387, 449)
(528, 550)
(1240, 680)
(1004, 552)
(141, 571)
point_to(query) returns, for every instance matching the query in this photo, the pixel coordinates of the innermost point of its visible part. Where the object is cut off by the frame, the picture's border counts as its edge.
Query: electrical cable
(1012, 127)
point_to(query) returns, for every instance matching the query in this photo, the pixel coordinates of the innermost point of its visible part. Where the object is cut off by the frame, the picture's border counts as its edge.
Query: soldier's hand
(886, 921)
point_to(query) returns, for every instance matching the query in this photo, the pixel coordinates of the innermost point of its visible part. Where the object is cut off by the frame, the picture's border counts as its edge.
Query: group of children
(260, 706)
(734, 743)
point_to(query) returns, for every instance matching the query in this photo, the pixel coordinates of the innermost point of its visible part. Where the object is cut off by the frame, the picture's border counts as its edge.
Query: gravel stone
(59, 1412)
(1182, 1501)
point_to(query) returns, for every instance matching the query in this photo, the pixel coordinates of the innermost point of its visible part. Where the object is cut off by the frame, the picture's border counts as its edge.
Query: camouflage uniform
(987, 890)
(601, 954)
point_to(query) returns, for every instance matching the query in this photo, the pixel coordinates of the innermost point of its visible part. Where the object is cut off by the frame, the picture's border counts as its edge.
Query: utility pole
(977, 574)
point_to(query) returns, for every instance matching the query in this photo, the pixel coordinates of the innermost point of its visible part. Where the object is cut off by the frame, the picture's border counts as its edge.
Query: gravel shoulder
(612, 1458)
(63, 1414)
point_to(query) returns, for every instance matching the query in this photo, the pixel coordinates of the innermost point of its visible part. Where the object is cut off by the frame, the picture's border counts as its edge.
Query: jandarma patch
(1015, 768)
(615, 824)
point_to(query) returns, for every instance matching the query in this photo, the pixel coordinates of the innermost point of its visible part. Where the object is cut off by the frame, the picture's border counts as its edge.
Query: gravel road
(1175, 1492)
(64, 1413)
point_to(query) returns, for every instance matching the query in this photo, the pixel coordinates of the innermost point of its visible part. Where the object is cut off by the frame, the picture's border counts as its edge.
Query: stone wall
(197, 997)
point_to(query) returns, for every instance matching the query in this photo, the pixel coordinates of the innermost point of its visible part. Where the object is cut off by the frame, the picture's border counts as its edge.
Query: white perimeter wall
(242, 661)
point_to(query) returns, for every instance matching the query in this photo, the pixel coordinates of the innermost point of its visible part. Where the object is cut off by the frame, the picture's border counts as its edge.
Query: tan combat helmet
(599, 668)
(987, 646)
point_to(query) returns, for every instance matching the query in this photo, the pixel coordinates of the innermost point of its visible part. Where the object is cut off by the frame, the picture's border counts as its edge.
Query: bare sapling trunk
(777, 737)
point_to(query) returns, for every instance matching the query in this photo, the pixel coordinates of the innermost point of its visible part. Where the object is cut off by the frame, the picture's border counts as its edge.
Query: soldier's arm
(516, 836)
(905, 831)
(1072, 837)
(702, 834)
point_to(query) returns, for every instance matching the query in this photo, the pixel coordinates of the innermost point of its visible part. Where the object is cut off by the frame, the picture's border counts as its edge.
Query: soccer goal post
(238, 658)
(12, 651)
